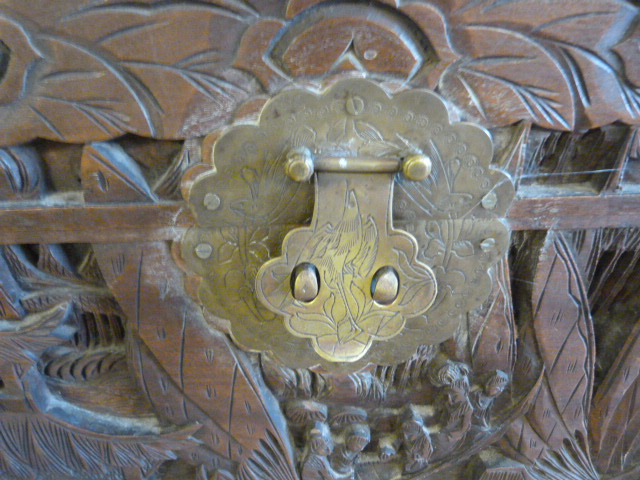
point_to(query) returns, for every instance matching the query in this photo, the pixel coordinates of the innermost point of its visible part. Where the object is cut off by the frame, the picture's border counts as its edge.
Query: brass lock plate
(360, 263)
(362, 276)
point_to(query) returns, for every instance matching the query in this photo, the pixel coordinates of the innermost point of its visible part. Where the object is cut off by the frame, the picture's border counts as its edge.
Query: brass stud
(488, 244)
(203, 250)
(416, 167)
(490, 201)
(212, 201)
(299, 166)
(305, 282)
(385, 285)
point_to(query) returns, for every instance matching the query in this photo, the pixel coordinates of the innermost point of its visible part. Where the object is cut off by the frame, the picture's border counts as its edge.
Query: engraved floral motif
(343, 320)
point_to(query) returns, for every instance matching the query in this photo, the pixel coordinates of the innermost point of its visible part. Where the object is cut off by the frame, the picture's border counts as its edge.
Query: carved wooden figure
(319, 240)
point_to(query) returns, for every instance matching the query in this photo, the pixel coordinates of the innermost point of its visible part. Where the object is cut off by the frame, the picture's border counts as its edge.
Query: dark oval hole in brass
(305, 282)
(385, 285)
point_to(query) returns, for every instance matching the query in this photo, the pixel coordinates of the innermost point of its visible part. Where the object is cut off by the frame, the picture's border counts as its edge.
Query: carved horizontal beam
(112, 223)
(90, 223)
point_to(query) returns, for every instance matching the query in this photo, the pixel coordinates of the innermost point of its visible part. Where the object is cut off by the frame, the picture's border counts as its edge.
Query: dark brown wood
(168, 221)
(124, 357)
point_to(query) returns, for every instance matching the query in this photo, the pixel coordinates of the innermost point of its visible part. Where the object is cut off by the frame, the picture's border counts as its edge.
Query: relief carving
(451, 349)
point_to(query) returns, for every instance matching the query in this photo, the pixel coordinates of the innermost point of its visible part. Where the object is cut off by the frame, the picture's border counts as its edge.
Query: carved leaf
(575, 36)
(22, 342)
(26, 339)
(33, 444)
(107, 71)
(492, 330)
(568, 354)
(193, 372)
(562, 331)
(20, 173)
(615, 420)
(500, 65)
(109, 173)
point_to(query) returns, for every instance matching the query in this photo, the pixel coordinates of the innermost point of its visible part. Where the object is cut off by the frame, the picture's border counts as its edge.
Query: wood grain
(110, 369)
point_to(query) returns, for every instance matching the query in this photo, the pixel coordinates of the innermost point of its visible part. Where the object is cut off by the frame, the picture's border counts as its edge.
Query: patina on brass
(351, 238)
(310, 192)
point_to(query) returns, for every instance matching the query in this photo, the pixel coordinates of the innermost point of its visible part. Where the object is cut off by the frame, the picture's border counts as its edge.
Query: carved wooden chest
(307, 240)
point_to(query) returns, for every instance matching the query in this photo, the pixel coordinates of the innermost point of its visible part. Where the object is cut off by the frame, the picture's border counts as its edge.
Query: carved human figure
(444, 372)
(416, 442)
(315, 464)
(457, 410)
(356, 437)
(483, 398)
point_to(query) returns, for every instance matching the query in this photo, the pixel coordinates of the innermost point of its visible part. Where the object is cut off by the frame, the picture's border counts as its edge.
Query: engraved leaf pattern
(556, 427)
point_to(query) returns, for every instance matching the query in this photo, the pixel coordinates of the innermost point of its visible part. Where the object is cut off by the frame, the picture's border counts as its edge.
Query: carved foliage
(204, 379)
(95, 77)
(31, 445)
(553, 435)
(92, 72)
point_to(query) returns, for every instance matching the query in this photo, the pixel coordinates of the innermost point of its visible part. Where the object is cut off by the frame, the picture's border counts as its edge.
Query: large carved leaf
(615, 420)
(499, 66)
(109, 69)
(572, 77)
(191, 371)
(32, 444)
(561, 332)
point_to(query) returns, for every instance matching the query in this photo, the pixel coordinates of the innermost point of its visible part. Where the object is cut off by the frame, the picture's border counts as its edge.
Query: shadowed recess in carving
(5, 56)
(360, 36)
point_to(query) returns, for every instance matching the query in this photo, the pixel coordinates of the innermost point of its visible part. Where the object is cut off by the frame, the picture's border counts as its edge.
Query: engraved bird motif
(343, 252)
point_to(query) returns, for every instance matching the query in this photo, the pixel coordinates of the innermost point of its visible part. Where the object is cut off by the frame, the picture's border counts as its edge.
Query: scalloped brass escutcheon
(348, 227)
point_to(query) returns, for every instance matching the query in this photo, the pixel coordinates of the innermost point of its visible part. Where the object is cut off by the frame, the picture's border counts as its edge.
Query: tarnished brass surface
(446, 203)
(351, 237)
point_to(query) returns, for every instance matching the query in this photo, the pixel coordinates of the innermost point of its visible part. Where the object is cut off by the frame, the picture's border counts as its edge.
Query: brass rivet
(489, 201)
(305, 282)
(354, 106)
(370, 54)
(203, 250)
(488, 244)
(299, 166)
(416, 167)
(212, 201)
(385, 285)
